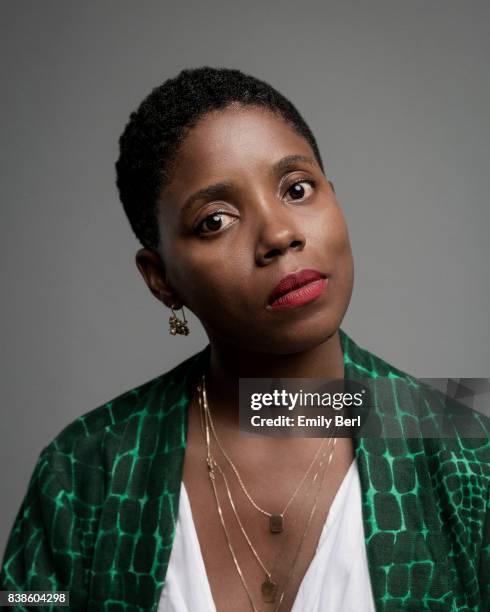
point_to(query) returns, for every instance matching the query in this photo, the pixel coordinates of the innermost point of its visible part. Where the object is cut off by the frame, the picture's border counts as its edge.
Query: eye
(301, 189)
(212, 223)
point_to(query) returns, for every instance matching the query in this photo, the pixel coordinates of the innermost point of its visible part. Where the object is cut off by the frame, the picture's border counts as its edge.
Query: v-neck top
(336, 580)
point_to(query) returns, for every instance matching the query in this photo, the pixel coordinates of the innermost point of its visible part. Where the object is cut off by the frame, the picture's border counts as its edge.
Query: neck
(229, 364)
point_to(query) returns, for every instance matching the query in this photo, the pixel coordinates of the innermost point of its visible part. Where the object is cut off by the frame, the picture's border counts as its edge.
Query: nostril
(273, 253)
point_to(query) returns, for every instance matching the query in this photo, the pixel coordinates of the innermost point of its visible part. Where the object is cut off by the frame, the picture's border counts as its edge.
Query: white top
(337, 579)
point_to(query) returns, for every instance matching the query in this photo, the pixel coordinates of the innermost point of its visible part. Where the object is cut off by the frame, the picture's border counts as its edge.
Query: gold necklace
(276, 521)
(310, 519)
(269, 587)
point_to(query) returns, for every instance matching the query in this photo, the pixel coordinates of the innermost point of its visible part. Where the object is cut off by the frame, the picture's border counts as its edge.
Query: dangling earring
(176, 325)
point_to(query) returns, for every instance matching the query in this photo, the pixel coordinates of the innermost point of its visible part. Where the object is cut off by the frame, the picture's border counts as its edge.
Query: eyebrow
(212, 191)
(290, 160)
(224, 187)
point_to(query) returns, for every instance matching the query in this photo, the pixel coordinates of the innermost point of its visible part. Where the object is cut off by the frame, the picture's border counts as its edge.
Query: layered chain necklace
(269, 587)
(276, 521)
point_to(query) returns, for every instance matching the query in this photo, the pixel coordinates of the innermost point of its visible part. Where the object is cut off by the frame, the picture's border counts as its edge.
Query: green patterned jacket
(99, 515)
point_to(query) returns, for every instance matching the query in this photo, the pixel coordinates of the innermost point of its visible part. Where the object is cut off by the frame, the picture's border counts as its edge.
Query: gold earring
(178, 326)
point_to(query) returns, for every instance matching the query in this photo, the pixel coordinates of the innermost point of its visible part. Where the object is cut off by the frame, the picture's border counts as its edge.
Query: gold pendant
(269, 591)
(276, 523)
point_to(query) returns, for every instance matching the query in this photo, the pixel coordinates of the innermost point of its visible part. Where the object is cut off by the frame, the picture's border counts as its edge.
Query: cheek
(210, 282)
(332, 234)
(336, 245)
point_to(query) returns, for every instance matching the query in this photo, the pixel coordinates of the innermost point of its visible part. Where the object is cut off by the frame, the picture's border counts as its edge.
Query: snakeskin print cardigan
(98, 519)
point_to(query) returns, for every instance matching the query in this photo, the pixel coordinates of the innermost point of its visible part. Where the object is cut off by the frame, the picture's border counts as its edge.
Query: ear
(153, 271)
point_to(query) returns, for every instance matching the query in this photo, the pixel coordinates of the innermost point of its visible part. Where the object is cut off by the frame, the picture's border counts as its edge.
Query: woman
(134, 506)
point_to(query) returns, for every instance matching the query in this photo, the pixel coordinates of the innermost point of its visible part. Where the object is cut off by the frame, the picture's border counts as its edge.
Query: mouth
(297, 289)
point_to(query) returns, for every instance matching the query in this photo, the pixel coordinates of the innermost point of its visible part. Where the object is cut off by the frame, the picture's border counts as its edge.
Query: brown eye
(211, 223)
(300, 189)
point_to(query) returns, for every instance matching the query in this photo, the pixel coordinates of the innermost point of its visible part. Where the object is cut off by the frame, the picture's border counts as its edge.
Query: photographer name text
(303, 421)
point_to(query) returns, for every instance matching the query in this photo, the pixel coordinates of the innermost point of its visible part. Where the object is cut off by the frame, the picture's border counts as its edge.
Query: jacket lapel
(406, 549)
(137, 526)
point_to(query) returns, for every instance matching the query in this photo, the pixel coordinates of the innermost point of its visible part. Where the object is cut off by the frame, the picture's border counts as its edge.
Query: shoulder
(99, 465)
(454, 436)
(363, 363)
(433, 449)
(424, 398)
(95, 438)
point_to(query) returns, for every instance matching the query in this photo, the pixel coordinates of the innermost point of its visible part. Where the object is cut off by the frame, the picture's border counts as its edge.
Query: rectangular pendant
(276, 523)
(269, 591)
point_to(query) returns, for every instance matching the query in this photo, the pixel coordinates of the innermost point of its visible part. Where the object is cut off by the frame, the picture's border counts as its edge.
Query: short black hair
(150, 141)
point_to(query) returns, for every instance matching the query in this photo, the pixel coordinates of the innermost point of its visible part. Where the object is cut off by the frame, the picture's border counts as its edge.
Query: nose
(277, 234)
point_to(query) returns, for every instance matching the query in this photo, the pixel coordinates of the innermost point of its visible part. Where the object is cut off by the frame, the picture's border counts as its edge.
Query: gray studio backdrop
(397, 94)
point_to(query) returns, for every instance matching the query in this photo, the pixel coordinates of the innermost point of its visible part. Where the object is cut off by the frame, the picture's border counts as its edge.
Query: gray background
(398, 96)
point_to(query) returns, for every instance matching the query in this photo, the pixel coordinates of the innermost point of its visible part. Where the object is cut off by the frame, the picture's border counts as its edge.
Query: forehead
(232, 143)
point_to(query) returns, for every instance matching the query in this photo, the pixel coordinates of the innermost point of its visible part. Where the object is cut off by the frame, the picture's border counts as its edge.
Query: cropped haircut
(150, 141)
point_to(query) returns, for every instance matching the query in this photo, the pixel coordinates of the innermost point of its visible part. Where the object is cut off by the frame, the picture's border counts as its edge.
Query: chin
(296, 339)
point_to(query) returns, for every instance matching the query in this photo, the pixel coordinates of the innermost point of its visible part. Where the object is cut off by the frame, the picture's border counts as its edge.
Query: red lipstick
(297, 289)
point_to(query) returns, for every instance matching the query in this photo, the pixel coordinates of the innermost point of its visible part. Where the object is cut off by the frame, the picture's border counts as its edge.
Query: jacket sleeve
(484, 573)
(43, 551)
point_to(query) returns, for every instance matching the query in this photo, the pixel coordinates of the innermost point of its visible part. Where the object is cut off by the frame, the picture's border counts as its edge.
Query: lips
(294, 281)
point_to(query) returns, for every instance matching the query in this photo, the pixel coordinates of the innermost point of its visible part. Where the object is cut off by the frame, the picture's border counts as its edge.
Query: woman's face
(248, 204)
